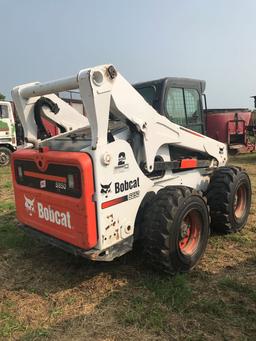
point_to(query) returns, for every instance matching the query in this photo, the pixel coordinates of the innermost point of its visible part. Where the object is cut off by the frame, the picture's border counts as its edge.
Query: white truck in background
(8, 140)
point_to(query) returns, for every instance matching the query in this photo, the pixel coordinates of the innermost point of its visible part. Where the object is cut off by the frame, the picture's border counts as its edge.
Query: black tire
(229, 197)
(174, 211)
(5, 156)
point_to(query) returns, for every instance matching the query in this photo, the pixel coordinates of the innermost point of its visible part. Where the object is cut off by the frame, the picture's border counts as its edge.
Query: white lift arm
(104, 90)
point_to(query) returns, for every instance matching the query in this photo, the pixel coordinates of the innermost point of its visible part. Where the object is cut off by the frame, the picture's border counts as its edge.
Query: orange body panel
(70, 219)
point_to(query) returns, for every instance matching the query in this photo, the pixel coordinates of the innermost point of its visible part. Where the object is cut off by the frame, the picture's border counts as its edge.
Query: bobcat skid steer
(121, 174)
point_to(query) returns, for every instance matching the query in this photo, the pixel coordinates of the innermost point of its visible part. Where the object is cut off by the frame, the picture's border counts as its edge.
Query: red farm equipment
(233, 127)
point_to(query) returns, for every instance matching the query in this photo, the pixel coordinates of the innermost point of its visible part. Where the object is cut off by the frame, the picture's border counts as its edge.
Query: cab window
(192, 106)
(148, 93)
(4, 111)
(175, 107)
(183, 107)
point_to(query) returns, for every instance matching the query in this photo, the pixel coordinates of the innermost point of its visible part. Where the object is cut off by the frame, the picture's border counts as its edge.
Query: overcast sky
(145, 39)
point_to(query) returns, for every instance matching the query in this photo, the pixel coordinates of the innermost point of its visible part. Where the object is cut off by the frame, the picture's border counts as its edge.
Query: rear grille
(55, 179)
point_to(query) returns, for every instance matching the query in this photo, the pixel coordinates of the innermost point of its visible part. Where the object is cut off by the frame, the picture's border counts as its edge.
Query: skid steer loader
(123, 173)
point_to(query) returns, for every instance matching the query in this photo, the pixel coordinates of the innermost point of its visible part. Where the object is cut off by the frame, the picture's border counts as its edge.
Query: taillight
(71, 181)
(20, 172)
(74, 182)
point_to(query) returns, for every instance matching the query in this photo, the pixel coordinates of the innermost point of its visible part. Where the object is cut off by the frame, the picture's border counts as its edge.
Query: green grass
(136, 312)
(10, 236)
(212, 307)
(5, 171)
(9, 325)
(55, 312)
(36, 334)
(7, 206)
(242, 159)
(173, 292)
(232, 284)
(240, 238)
(7, 185)
(151, 299)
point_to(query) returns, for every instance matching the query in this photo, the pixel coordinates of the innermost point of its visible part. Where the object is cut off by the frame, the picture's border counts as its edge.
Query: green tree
(2, 97)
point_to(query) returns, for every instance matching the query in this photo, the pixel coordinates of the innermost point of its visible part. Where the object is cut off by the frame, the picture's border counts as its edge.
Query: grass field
(48, 294)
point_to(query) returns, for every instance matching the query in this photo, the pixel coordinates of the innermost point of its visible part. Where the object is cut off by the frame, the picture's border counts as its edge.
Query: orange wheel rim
(240, 201)
(190, 232)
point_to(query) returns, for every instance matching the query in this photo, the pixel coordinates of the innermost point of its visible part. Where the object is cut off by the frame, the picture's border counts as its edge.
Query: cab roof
(175, 82)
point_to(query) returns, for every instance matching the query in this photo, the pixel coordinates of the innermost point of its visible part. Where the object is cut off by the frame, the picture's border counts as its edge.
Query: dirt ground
(46, 293)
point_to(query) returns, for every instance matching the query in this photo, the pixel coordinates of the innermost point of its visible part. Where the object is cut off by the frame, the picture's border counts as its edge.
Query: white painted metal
(40, 89)
(100, 96)
(67, 117)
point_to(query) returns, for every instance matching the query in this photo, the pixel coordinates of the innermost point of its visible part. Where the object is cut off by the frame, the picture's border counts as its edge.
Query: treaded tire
(229, 198)
(5, 156)
(163, 223)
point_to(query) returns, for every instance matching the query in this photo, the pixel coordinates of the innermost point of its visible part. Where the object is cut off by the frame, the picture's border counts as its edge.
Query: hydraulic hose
(47, 102)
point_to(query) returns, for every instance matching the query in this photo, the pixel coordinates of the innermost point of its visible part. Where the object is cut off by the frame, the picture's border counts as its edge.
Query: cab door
(183, 106)
(194, 110)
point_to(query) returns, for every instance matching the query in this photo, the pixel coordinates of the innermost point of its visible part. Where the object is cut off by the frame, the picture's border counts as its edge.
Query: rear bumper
(106, 255)
(46, 238)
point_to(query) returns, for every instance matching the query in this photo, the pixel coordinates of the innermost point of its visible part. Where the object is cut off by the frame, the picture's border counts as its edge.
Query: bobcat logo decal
(29, 205)
(105, 189)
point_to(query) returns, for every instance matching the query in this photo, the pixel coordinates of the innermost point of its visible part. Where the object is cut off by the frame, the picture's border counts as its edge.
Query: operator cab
(4, 111)
(179, 99)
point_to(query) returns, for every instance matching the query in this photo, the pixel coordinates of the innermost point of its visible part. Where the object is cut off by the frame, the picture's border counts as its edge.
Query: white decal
(42, 183)
(47, 213)
(29, 205)
(60, 185)
(54, 216)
